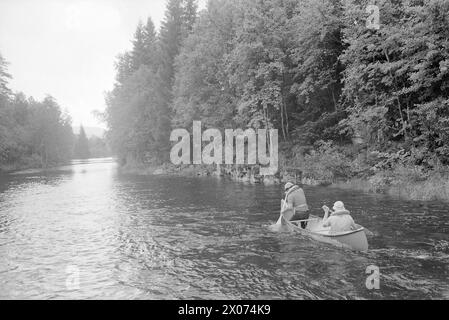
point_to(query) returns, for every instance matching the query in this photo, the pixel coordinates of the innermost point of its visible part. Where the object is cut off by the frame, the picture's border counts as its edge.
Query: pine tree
(170, 41)
(82, 145)
(138, 52)
(179, 17)
(151, 45)
(145, 49)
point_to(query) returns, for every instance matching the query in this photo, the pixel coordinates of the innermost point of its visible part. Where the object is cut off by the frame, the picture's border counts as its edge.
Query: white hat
(339, 206)
(288, 185)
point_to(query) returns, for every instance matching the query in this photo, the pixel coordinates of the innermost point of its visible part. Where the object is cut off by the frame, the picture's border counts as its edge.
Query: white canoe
(354, 239)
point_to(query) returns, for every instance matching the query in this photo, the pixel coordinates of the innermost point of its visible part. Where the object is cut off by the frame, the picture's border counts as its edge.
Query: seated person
(340, 219)
(296, 207)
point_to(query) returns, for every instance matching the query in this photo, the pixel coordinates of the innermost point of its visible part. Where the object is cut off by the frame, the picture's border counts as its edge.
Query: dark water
(169, 237)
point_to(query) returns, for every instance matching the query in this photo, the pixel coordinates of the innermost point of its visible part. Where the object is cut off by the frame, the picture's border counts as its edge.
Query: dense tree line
(32, 133)
(81, 150)
(310, 68)
(98, 148)
(91, 145)
(139, 107)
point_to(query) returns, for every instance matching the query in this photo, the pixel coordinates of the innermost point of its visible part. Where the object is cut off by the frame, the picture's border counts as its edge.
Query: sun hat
(339, 206)
(288, 185)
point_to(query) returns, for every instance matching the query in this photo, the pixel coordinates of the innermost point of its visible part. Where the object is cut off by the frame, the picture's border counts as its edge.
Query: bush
(325, 162)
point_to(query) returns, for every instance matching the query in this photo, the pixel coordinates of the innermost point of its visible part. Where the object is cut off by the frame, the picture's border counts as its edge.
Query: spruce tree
(138, 52)
(82, 145)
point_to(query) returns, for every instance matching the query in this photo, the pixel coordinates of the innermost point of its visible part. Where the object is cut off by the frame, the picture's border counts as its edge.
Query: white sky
(67, 48)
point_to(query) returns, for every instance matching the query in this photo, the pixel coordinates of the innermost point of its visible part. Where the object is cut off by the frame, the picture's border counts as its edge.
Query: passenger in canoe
(295, 206)
(340, 219)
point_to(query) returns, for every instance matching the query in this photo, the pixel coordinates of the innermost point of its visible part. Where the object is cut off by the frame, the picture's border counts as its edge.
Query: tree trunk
(282, 121)
(333, 99)
(404, 125)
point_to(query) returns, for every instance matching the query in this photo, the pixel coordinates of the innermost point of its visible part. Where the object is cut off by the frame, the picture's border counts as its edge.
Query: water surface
(165, 237)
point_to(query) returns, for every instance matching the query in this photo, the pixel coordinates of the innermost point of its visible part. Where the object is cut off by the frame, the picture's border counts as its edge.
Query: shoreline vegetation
(39, 133)
(407, 183)
(400, 185)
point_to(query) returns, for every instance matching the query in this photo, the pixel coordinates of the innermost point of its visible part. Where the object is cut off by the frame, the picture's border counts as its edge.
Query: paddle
(282, 211)
(306, 220)
(281, 215)
(368, 232)
(284, 204)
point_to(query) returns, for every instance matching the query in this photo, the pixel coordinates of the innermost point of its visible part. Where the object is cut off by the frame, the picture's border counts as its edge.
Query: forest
(38, 134)
(32, 133)
(365, 105)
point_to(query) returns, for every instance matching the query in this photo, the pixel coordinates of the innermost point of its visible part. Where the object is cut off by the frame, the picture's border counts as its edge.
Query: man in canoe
(340, 219)
(295, 206)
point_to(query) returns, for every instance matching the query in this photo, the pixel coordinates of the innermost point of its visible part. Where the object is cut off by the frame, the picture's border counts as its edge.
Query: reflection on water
(186, 238)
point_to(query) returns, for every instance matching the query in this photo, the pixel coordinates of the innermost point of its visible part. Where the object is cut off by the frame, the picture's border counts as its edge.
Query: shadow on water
(175, 237)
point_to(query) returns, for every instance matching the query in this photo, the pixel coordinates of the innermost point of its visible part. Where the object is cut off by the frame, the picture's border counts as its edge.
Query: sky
(67, 48)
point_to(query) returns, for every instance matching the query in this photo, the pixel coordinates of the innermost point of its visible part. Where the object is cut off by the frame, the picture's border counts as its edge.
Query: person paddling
(295, 205)
(340, 219)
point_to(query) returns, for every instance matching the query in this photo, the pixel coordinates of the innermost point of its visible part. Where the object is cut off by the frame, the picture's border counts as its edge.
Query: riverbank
(31, 165)
(394, 171)
(236, 173)
(24, 164)
(165, 169)
(334, 170)
(434, 187)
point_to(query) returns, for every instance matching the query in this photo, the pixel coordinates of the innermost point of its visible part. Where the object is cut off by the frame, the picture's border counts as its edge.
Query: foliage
(202, 90)
(82, 146)
(396, 78)
(139, 107)
(310, 68)
(32, 133)
(98, 148)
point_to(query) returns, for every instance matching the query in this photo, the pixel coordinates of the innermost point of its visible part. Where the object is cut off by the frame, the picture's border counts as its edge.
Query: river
(87, 231)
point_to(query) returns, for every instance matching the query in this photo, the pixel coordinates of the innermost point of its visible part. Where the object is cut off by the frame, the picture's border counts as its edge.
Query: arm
(353, 225)
(286, 205)
(326, 222)
(288, 202)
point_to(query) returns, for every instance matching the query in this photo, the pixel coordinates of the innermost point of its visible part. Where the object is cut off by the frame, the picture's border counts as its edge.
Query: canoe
(354, 239)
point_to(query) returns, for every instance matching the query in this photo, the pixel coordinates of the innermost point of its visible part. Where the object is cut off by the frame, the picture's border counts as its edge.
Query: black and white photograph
(224, 150)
